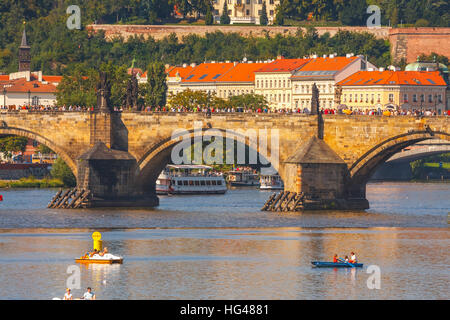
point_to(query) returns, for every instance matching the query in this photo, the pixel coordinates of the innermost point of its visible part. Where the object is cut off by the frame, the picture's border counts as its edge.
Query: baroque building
(245, 11)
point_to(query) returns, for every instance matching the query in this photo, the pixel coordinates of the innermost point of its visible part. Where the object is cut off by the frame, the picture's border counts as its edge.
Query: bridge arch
(158, 155)
(362, 169)
(37, 137)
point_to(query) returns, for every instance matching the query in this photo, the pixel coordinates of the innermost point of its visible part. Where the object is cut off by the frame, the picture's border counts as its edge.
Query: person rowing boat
(335, 258)
(353, 258)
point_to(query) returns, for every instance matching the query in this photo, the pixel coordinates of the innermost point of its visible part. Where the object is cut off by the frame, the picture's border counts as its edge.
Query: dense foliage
(198, 100)
(60, 170)
(353, 12)
(58, 50)
(11, 144)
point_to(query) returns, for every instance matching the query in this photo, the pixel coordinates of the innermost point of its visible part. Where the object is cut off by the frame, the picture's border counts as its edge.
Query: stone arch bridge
(118, 156)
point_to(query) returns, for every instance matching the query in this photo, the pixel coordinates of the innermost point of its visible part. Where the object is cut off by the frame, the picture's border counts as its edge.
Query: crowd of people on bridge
(213, 110)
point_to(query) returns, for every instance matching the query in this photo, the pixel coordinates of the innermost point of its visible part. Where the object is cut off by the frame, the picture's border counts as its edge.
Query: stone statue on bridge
(315, 100)
(103, 93)
(131, 96)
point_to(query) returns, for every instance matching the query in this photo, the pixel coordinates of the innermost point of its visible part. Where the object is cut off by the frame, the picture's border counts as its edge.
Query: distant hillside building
(245, 11)
(26, 87)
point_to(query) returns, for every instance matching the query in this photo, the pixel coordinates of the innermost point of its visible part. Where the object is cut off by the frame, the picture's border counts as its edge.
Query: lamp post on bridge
(4, 97)
(29, 94)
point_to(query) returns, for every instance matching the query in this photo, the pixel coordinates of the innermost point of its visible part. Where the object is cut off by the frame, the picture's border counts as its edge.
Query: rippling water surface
(223, 247)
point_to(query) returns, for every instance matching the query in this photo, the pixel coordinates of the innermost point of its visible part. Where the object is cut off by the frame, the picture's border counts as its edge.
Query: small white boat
(107, 258)
(271, 182)
(190, 179)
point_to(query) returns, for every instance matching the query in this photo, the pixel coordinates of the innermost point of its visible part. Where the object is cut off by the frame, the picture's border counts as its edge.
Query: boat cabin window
(180, 183)
(213, 182)
(208, 183)
(197, 183)
(219, 183)
(185, 183)
(202, 182)
(191, 183)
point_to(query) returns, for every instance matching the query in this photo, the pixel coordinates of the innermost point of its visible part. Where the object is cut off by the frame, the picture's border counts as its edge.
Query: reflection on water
(230, 264)
(392, 205)
(224, 247)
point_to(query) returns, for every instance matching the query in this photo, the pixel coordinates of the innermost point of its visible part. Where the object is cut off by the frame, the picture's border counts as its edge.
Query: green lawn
(445, 165)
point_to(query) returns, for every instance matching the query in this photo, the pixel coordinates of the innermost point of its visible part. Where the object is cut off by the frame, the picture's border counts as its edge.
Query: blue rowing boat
(323, 264)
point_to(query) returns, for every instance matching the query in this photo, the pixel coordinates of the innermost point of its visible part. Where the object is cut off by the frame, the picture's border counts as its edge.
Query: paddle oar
(346, 262)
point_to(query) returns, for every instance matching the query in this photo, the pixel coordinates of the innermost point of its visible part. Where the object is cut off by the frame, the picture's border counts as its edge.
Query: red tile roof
(371, 78)
(284, 65)
(182, 71)
(21, 85)
(52, 79)
(208, 72)
(243, 72)
(328, 64)
(4, 77)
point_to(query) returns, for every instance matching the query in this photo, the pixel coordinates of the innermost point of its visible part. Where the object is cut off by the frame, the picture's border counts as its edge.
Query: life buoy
(1, 197)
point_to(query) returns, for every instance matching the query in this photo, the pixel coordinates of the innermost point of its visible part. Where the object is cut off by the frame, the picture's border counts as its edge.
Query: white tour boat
(271, 182)
(190, 179)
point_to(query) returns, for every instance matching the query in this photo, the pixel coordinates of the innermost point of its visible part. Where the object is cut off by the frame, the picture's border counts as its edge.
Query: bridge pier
(110, 177)
(317, 172)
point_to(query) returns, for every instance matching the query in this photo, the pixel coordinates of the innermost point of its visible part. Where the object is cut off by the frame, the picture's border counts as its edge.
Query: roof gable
(315, 150)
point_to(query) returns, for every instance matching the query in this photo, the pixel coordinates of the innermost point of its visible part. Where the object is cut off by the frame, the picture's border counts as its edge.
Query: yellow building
(406, 90)
(325, 72)
(273, 81)
(245, 11)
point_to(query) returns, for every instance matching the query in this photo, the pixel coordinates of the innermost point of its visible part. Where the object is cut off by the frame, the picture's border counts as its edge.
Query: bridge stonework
(145, 139)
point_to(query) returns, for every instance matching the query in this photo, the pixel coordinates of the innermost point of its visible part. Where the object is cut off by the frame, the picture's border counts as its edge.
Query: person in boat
(335, 258)
(68, 295)
(89, 295)
(353, 258)
(91, 254)
(346, 259)
(105, 251)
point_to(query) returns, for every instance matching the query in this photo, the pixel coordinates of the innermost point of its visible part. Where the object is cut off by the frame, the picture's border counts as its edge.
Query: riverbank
(31, 183)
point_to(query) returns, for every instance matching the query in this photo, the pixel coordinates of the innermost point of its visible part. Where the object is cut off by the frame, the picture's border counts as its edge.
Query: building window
(414, 97)
(405, 98)
(430, 98)
(391, 97)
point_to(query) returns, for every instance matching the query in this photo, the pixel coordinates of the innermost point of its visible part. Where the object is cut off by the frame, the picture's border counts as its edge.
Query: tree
(191, 99)
(249, 101)
(209, 19)
(279, 17)
(60, 170)
(12, 144)
(156, 87)
(225, 18)
(263, 20)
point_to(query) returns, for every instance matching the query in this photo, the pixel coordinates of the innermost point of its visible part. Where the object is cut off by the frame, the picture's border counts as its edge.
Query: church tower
(24, 53)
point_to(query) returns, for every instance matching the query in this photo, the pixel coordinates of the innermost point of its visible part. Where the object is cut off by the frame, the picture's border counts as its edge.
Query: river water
(223, 247)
